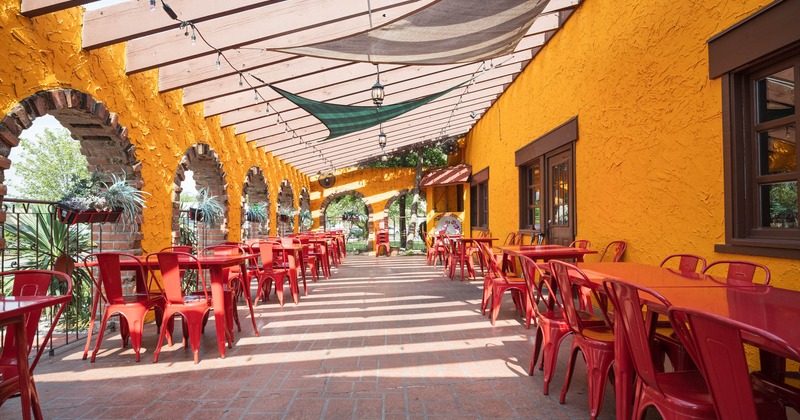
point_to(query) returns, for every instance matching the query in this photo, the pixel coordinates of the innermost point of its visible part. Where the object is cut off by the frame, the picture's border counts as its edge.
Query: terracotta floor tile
(382, 338)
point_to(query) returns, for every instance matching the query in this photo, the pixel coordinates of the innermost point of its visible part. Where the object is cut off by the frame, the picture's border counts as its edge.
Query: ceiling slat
(33, 8)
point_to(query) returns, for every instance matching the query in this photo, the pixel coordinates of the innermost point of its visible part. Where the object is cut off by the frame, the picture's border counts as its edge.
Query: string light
(219, 63)
(194, 37)
(152, 5)
(241, 79)
(256, 95)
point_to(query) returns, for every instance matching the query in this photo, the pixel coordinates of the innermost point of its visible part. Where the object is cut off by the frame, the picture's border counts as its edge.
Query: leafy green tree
(49, 165)
(431, 156)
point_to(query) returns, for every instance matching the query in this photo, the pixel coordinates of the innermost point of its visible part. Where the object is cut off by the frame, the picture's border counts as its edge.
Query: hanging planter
(71, 217)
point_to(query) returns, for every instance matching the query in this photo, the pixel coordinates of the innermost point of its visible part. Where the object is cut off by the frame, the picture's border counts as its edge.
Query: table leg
(218, 299)
(623, 372)
(26, 386)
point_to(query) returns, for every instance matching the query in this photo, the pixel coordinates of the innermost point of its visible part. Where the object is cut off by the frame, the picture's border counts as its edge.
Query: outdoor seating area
(399, 209)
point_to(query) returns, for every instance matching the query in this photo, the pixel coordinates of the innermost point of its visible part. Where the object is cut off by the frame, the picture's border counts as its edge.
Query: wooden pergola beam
(33, 8)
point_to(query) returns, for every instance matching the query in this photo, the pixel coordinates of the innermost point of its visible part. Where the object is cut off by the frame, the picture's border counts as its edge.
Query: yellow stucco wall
(45, 53)
(649, 156)
(377, 185)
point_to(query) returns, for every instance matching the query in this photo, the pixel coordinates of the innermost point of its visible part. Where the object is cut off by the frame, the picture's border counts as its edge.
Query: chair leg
(100, 334)
(570, 371)
(537, 345)
(497, 297)
(91, 326)
(168, 318)
(600, 362)
(552, 336)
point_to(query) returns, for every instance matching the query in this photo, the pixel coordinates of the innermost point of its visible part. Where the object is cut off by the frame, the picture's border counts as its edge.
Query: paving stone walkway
(384, 338)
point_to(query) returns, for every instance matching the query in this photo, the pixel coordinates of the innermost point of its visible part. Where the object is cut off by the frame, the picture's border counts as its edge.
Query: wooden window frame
(740, 55)
(479, 200)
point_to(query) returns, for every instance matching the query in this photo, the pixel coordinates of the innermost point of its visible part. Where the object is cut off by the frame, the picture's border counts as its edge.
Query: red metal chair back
(495, 271)
(739, 271)
(627, 301)
(30, 283)
(687, 262)
(717, 348)
(223, 249)
(618, 249)
(511, 238)
(110, 282)
(172, 275)
(267, 250)
(566, 275)
(180, 248)
(580, 243)
(535, 278)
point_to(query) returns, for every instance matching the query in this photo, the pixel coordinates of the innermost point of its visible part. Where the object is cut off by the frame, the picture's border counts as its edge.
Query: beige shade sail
(445, 32)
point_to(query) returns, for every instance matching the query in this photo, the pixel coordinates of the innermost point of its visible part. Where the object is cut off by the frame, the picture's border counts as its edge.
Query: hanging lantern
(382, 140)
(377, 93)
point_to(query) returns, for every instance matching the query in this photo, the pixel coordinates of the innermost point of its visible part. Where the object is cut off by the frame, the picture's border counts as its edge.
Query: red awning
(458, 174)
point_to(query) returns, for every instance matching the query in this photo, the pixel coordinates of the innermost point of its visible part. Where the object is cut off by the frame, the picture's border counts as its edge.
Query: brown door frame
(547, 192)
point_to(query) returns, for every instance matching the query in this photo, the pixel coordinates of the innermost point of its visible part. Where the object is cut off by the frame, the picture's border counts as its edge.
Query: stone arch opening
(255, 196)
(306, 220)
(286, 208)
(398, 223)
(103, 141)
(209, 176)
(329, 199)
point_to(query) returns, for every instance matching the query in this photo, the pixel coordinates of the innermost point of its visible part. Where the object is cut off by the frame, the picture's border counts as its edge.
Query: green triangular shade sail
(346, 119)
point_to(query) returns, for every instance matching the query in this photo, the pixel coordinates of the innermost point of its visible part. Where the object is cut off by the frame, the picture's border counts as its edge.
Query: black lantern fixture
(382, 139)
(377, 89)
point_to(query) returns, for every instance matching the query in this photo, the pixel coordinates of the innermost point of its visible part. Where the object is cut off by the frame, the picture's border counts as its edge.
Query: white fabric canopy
(445, 32)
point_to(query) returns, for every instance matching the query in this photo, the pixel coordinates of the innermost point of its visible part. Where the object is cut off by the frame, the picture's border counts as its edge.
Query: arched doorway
(399, 218)
(286, 208)
(255, 205)
(342, 210)
(306, 221)
(192, 227)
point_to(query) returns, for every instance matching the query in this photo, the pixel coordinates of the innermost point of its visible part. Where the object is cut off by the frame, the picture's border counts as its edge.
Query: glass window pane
(777, 150)
(775, 95)
(779, 205)
(537, 219)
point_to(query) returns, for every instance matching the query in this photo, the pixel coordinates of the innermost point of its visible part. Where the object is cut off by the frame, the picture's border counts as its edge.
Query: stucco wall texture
(648, 164)
(45, 53)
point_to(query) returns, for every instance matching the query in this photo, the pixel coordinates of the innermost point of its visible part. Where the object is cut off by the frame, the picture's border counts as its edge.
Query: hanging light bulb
(255, 95)
(194, 37)
(152, 5)
(241, 80)
(219, 63)
(384, 158)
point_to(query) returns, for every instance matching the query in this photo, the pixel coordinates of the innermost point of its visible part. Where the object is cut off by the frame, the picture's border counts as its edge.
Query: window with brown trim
(479, 200)
(531, 200)
(759, 61)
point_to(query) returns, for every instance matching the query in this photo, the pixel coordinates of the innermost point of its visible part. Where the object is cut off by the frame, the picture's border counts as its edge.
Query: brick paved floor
(384, 338)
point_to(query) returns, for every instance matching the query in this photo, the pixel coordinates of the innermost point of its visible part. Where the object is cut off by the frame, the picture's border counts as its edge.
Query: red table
(543, 252)
(463, 248)
(768, 308)
(216, 265)
(12, 312)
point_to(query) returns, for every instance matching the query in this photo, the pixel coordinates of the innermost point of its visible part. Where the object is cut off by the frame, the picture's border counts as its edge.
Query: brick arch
(305, 204)
(255, 190)
(327, 201)
(203, 161)
(103, 141)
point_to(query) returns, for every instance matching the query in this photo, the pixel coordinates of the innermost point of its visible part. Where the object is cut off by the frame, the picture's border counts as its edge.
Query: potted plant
(256, 213)
(92, 201)
(207, 209)
(286, 214)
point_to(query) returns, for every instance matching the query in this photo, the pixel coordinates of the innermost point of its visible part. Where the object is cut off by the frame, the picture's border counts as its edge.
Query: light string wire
(186, 25)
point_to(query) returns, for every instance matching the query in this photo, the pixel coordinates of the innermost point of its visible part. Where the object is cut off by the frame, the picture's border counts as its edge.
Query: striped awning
(346, 119)
(445, 32)
(458, 174)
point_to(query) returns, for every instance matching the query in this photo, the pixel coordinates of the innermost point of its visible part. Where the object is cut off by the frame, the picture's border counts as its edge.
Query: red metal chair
(496, 282)
(180, 248)
(617, 249)
(457, 256)
(580, 243)
(716, 345)
(679, 394)
(739, 272)
(28, 283)
(273, 270)
(596, 343)
(686, 262)
(193, 307)
(382, 242)
(511, 239)
(131, 309)
(312, 256)
(238, 284)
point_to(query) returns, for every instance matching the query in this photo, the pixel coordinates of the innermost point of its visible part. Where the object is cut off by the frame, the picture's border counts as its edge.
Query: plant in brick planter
(256, 213)
(93, 201)
(306, 221)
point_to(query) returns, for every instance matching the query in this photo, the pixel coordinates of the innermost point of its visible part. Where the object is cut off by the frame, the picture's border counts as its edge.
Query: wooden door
(560, 199)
